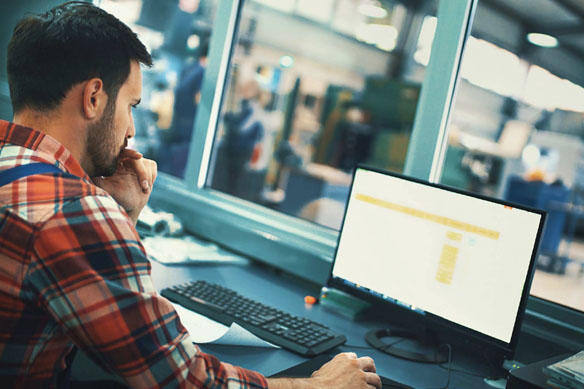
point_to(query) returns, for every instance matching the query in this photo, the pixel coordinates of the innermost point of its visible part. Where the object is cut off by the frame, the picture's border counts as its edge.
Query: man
(73, 273)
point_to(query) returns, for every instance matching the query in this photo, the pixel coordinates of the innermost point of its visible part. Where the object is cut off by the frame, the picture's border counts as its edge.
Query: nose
(131, 129)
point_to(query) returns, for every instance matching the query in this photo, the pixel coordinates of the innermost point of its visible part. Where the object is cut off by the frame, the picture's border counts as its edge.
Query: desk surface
(263, 284)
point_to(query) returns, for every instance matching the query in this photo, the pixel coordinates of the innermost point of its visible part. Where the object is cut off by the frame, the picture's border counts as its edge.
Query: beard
(101, 147)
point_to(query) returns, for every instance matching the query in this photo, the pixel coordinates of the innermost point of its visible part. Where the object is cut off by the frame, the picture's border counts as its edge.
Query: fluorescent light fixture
(372, 10)
(383, 36)
(286, 61)
(543, 40)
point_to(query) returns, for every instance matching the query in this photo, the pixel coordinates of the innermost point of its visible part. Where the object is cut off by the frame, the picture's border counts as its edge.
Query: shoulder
(97, 206)
(92, 223)
(93, 236)
(90, 203)
(38, 198)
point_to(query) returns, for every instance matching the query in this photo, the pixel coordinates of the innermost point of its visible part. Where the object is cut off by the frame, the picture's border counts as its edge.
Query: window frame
(289, 243)
(298, 246)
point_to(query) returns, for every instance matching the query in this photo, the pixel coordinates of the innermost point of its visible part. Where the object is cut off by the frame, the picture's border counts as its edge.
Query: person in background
(74, 274)
(186, 99)
(244, 131)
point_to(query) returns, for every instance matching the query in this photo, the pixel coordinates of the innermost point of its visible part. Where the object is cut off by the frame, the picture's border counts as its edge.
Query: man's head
(78, 50)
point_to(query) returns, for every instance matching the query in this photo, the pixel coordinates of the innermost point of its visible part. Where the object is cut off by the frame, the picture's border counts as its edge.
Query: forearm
(290, 383)
(97, 288)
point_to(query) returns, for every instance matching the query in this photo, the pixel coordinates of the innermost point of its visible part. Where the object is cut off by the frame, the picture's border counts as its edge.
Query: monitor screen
(438, 251)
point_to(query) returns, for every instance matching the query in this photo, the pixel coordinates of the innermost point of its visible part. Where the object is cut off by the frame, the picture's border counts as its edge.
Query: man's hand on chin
(132, 182)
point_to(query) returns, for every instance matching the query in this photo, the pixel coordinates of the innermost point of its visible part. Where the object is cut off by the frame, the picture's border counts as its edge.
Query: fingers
(153, 170)
(150, 173)
(373, 380)
(346, 370)
(349, 355)
(366, 364)
(131, 154)
(143, 174)
(146, 172)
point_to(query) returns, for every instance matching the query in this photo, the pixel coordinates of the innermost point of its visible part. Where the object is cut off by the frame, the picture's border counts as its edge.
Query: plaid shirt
(73, 273)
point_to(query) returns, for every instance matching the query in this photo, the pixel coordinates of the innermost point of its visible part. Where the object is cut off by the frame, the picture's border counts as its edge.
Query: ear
(94, 98)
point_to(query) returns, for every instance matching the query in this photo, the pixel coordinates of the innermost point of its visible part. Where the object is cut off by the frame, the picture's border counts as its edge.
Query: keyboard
(294, 333)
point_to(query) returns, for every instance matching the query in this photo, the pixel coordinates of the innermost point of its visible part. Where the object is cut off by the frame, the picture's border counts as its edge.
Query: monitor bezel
(439, 323)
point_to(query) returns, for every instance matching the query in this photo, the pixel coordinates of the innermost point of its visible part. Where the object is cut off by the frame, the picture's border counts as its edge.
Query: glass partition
(516, 133)
(313, 89)
(177, 33)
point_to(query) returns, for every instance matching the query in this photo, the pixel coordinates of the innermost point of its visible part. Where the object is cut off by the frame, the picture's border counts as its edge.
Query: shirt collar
(47, 149)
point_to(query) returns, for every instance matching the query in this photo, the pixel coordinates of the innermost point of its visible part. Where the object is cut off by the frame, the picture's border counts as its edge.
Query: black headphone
(374, 337)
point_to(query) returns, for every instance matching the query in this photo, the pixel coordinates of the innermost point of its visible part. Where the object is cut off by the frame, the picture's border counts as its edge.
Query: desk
(281, 291)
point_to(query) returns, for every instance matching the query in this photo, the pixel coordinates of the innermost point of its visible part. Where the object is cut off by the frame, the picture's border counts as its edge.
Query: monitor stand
(418, 346)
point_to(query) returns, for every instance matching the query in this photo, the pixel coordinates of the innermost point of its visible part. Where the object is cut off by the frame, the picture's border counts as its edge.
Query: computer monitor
(449, 259)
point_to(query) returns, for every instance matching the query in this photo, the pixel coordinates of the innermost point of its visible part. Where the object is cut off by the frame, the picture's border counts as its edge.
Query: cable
(464, 372)
(449, 365)
(492, 366)
(390, 345)
(468, 372)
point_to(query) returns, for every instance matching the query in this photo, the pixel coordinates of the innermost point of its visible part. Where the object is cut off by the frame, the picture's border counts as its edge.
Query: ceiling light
(543, 40)
(383, 36)
(188, 6)
(193, 41)
(372, 11)
(286, 61)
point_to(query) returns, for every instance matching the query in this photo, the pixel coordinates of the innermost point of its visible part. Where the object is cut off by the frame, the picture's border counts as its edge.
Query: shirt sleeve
(92, 275)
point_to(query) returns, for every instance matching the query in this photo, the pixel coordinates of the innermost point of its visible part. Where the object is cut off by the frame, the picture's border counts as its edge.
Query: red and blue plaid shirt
(73, 273)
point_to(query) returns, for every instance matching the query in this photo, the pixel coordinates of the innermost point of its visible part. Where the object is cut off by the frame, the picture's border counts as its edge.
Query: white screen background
(399, 254)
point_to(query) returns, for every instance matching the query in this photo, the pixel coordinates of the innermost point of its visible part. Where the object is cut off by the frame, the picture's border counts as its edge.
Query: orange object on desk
(310, 300)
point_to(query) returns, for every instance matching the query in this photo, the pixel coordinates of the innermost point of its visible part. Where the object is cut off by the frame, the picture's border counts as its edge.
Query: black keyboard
(297, 334)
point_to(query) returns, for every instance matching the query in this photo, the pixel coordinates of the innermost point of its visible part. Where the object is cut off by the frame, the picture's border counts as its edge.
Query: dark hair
(73, 42)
